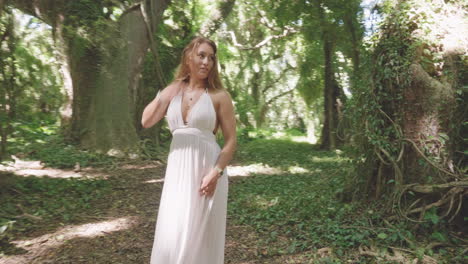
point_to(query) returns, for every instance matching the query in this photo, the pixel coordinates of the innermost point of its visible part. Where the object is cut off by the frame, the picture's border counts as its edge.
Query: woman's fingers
(208, 187)
(208, 190)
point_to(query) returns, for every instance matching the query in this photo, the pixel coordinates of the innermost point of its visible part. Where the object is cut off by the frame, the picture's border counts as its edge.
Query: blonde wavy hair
(183, 71)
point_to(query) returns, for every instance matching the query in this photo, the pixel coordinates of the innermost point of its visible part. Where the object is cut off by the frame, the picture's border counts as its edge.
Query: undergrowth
(300, 212)
(29, 201)
(42, 141)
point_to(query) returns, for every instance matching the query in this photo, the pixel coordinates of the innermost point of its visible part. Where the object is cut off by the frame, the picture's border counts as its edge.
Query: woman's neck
(197, 84)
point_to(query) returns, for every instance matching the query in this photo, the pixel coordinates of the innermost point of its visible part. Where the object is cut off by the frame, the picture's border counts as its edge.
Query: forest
(352, 127)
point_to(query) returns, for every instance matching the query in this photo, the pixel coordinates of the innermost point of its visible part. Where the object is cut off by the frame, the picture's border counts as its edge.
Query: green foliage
(54, 152)
(298, 212)
(40, 140)
(311, 82)
(378, 89)
(31, 86)
(47, 199)
(259, 77)
(84, 12)
(408, 35)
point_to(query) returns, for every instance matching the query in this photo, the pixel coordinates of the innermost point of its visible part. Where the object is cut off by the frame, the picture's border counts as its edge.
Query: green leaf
(439, 236)
(382, 236)
(3, 228)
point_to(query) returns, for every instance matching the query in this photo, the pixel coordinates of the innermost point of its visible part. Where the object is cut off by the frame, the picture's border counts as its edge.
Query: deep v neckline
(189, 113)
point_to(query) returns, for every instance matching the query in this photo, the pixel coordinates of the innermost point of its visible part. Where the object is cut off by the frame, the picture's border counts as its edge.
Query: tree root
(397, 257)
(26, 215)
(455, 194)
(429, 161)
(433, 188)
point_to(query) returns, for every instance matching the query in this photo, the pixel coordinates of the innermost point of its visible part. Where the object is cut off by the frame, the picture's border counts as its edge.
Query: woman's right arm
(156, 109)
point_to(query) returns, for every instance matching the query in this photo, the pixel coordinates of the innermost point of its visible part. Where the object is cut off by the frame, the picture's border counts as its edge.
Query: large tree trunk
(102, 81)
(331, 93)
(413, 136)
(66, 111)
(143, 93)
(108, 124)
(427, 111)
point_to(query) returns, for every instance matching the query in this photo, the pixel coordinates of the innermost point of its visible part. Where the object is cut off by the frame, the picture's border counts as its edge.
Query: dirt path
(120, 227)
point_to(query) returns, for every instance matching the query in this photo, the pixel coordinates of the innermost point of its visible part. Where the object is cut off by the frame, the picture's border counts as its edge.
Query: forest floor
(285, 206)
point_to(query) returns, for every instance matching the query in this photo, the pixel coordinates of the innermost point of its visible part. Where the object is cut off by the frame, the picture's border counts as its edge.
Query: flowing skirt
(190, 228)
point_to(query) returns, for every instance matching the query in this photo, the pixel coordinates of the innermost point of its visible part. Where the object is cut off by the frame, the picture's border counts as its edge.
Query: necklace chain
(190, 97)
(188, 106)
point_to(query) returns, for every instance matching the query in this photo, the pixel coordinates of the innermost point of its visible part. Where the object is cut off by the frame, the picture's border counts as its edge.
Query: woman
(191, 222)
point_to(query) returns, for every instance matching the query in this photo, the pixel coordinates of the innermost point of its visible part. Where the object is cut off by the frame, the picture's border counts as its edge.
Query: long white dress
(191, 228)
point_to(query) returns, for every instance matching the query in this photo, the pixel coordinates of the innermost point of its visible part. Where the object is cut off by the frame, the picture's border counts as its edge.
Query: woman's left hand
(208, 185)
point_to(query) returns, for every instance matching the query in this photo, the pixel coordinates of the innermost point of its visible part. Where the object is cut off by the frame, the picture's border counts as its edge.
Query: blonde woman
(191, 222)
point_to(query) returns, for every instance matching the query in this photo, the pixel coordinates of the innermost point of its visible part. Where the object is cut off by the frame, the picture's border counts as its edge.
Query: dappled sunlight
(297, 170)
(303, 139)
(36, 168)
(155, 181)
(325, 159)
(49, 172)
(142, 167)
(251, 169)
(263, 203)
(36, 246)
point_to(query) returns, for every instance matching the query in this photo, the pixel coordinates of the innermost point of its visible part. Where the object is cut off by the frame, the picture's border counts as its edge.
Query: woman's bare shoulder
(222, 95)
(173, 86)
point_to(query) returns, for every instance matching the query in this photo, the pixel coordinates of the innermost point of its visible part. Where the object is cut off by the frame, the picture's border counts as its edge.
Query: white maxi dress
(190, 228)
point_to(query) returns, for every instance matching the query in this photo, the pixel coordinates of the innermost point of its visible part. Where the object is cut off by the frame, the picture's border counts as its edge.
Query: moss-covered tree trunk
(142, 92)
(101, 63)
(413, 112)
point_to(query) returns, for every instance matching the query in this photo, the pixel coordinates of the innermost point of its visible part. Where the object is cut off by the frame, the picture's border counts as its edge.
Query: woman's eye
(202, 56)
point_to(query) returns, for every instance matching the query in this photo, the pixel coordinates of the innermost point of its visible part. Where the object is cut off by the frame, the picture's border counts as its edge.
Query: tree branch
(278, 79)
(287, 31)
(2, 4)
(218, 15)
(278, 96)
(437, 187)
(45, 10)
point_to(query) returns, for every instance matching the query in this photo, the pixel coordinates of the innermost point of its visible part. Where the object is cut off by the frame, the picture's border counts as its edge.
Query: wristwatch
(219, 170)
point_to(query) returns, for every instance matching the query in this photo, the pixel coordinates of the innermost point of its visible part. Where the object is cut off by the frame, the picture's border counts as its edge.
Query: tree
(328, 27)
(101, 71)
(409, 110)
(29, 87)
(258, 62)
(10, 90)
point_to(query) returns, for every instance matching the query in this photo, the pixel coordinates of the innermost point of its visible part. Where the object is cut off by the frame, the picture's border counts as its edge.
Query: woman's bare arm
(156, 109)
(227, 122)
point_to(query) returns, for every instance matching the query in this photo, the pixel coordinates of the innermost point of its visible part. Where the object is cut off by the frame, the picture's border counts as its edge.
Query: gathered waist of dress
(207, 134)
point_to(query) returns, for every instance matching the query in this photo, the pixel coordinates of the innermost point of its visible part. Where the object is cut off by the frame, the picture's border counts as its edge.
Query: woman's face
(201, 61)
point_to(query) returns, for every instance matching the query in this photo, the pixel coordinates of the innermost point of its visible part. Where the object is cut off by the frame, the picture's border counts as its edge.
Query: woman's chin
(202, 76)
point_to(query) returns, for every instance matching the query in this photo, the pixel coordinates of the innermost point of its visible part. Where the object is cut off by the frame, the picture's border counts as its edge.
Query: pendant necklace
(190, 99)
(187, 107)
